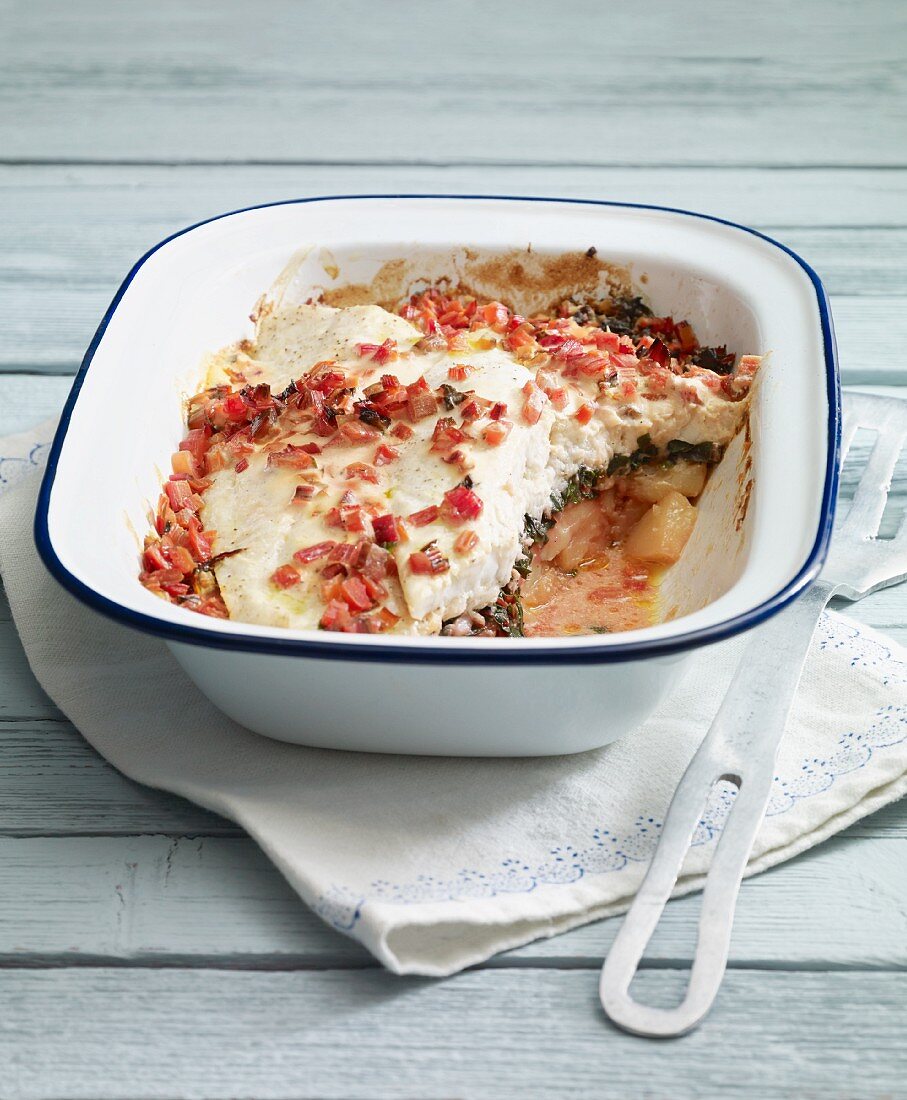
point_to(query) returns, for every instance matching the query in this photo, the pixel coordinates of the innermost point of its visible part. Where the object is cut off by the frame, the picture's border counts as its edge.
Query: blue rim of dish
(435, 652)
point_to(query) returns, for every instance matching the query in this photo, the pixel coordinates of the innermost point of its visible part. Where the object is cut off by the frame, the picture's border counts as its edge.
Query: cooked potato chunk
(651, 483)
(661, 534)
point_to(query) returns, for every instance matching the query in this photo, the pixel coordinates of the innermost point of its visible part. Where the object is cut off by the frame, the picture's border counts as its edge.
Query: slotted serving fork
(742, 743)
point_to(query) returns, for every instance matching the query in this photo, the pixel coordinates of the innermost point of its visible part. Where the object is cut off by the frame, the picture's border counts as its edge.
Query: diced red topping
(495, 433)
(658, 353)
(466, 540)
(402, 431)
(183, 462)
(180, 495)
(459, 372)
(356, 594)
(385, 454)
(362, 471)
(429, 560)
(285, 576)
(354, 433)
(336, 616)
(243, 464)
(461, 504)
(422, 405)
(584, 413)
(535, 403)
(498, 411)
(385, 528)
(425, 516)
(378, 353)
(292, 458)
(313, 553)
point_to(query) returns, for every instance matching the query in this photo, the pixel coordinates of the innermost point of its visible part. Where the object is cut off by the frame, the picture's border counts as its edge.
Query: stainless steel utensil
(742, 743)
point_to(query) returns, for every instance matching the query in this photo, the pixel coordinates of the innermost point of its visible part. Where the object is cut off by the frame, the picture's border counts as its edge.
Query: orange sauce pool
(604, 596)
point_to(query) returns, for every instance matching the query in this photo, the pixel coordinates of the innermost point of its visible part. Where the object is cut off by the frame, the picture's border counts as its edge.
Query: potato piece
(662, 533)
(580, 532)
(651, 483)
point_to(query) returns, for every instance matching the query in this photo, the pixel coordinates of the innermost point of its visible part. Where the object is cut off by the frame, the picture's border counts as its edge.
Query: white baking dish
(461, 696)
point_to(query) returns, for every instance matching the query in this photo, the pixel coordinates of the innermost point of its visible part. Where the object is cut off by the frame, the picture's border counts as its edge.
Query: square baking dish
(765, 518)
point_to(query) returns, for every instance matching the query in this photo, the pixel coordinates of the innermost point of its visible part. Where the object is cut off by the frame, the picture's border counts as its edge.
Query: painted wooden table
(148, 949)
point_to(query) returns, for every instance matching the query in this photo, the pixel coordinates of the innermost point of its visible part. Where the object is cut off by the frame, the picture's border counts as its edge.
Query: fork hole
(855, 460)
(858, 454)
(896, 504)
(670, 950)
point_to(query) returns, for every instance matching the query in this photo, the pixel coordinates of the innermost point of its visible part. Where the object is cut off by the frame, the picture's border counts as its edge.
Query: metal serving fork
(742, 743)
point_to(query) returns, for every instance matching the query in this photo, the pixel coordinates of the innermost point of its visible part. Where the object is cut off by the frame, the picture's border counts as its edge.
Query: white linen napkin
(436, 864)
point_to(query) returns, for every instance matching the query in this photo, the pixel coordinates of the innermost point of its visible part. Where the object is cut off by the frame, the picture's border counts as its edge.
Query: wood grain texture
(68, 248)
(154, 901)
(71, 234)
(310, 82)
(53, 783)
(154, 1034)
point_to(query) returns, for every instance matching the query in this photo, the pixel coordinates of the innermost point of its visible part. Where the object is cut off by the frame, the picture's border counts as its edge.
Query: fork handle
(741, 746)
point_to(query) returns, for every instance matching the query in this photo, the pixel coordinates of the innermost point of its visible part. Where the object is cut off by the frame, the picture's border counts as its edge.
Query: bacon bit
(385, 454)
(584, 413)
(356, 594)
(374, 561)
(361, 470)
(183, 462)
(181, 496)
(628, 388)
(461, 504)
(421, 405)
(243, 464)
(459, 372)
(332, 518)
(303, 493)
(336, 616)
(196, 442)
(355, 433)
(313, 553)
(474, 408)
(199, 541)
(291, 458)
(426, 516)
(658, 353)
(382, 620)
(181, 559)
(495, 433)
(285, 576)
(352, 517)
(385, 528)
(374, 588)
(378, 353)
(402, 431)
(447, 434)
(496, 316)
(558, 398)
(429, 560)
(153, 557)
(466, 540)
(498, 410)
(345, 553)
(535, 402)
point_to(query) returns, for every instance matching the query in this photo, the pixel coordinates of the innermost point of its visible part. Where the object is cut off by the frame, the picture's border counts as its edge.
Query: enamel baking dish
(762, 534)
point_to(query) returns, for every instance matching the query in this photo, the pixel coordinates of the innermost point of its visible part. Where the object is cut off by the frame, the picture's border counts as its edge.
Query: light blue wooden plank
(53, 783)
(811, 83)
(199, 901)
(104, 1034)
